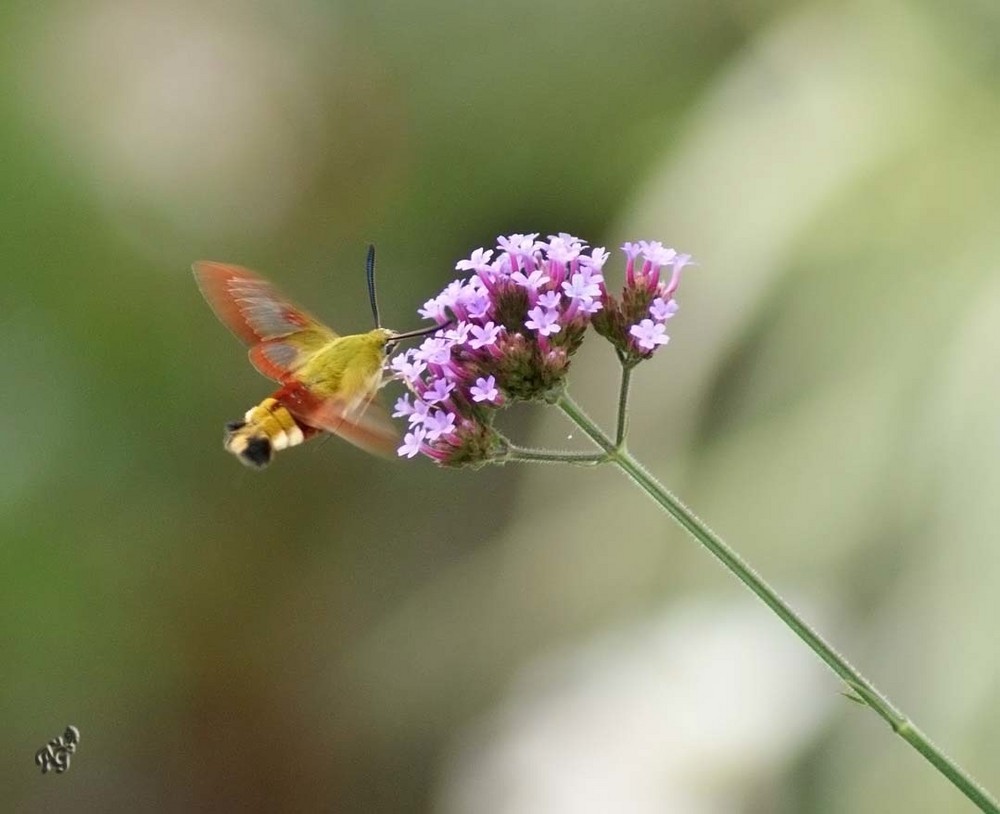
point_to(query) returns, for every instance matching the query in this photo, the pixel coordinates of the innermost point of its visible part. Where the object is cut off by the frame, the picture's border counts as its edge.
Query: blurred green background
(347, 634)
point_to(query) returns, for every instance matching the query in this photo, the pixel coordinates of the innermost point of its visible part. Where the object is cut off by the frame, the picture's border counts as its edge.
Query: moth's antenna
(370, 276)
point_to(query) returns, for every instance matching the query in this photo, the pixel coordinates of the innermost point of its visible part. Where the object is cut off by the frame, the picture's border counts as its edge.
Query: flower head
(509, 332)
(646, 298)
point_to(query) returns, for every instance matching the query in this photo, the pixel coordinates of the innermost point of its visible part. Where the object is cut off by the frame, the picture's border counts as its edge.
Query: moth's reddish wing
(280, 334)
(234, 291)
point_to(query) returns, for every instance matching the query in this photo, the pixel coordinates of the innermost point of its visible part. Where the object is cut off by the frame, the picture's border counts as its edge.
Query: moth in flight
(328, 382)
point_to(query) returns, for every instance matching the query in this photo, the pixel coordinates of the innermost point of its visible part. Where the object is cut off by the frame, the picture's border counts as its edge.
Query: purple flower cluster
(636, 324)
(508, 331)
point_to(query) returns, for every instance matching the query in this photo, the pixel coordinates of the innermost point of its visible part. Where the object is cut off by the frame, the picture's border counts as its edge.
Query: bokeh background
(348, 634)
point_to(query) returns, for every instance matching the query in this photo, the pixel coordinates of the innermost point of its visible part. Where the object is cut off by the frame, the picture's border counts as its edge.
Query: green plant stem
(617, 453)
(516, 453)
(623, 394)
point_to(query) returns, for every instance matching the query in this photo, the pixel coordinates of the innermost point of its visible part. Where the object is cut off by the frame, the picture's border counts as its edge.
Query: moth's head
(382, 340)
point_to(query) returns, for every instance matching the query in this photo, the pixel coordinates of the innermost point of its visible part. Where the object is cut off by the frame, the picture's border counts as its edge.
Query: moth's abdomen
(264, 430)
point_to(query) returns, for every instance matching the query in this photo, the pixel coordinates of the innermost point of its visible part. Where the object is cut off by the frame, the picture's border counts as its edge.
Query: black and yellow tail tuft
(264, 430)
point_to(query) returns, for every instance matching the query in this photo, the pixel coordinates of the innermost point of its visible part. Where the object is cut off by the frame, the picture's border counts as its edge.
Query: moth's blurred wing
(368, 427)
(282, 336)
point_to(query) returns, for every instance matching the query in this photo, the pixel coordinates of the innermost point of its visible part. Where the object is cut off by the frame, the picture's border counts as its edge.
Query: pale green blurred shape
(325, 634)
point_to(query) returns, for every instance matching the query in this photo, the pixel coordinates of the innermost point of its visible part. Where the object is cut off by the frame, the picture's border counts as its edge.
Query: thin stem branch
(623, 394)
(857, 683)
(516, 453)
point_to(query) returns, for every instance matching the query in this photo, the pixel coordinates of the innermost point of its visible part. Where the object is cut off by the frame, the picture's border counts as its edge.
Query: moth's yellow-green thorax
(347, 367)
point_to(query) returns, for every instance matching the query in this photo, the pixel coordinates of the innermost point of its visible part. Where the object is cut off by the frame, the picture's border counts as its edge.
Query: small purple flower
(402, 365)
(479, 260)
(435, 350)
(598, 257)
(448, 299)
(438, 423)
(420, 410)
(475, 302)
(532, 281)
(412, 442)
(483, 335)
(563, 248)
(501, 267)
(656, 253)
(517, 247)
(581, 286)
(518, 244)
(584, 294)
(439, 390)
(550, 299)
(433, 309)
(649, 334)
(662, 310)
(403, 407)
(569, 240)
(459, 334)
(543, 320)
(485, 390)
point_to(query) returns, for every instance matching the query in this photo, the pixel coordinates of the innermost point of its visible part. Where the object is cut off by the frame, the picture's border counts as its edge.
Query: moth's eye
(390, 348)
